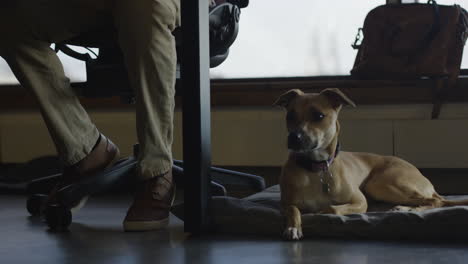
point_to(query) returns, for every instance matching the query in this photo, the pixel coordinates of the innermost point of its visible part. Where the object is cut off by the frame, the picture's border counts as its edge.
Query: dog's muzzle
(295, 140)
(300, 142)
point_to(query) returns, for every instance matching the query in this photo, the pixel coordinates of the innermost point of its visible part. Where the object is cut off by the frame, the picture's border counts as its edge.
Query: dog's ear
(337, 98)
(285, 99)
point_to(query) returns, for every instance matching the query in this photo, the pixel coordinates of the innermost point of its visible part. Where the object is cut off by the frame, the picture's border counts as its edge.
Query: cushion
(259, 214)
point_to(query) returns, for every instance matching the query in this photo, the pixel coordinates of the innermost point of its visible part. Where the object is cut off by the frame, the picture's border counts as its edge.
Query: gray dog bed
(259, 214)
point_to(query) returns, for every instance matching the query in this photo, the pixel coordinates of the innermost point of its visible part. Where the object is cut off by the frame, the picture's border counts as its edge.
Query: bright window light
(307, 38)
(278, 38)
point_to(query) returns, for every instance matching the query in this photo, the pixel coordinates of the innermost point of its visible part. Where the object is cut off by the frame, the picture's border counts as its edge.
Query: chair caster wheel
(35, 203)
(58, 217)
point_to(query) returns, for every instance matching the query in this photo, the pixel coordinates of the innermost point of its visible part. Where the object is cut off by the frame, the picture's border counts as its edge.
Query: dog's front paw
(292, 233)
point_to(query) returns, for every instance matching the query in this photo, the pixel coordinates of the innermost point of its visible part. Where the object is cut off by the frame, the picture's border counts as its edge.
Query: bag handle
(435, 28)
(436, 25)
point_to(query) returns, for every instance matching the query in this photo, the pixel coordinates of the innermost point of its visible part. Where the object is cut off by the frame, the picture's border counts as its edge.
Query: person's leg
(27, 29)
(145, 35)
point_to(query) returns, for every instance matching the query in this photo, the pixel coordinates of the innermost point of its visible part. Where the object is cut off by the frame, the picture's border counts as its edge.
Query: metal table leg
(196, 113)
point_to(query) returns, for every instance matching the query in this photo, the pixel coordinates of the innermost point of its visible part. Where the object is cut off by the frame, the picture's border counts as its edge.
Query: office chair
(106, 76)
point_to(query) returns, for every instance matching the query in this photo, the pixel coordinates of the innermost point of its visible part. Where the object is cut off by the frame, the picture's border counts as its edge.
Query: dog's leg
(405, 187)
(293, 229)
(357, 204)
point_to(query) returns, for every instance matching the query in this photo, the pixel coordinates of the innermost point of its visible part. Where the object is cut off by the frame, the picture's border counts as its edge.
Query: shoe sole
(135, 226)
(80, 205)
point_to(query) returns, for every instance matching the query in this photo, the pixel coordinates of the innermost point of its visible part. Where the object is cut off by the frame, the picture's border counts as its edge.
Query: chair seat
(108, 69)
(103, 34)
(94, 39)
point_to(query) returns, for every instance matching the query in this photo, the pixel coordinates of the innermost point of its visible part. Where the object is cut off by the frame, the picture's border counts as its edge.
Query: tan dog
(318, 178)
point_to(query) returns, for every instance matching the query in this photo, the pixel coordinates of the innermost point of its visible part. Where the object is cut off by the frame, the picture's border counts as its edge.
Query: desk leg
(196, 113)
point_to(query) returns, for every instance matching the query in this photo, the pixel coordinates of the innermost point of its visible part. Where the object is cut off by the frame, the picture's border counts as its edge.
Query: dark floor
(96, 237)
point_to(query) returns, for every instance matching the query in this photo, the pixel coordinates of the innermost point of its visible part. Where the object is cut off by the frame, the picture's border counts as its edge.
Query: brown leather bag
(412, 40)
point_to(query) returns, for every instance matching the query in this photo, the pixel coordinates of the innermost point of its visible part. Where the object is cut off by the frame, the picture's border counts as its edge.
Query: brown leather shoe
(152, 203)
(104, 154)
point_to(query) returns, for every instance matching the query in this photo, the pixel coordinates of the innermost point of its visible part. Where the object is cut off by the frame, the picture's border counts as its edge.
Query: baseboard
(447, 181)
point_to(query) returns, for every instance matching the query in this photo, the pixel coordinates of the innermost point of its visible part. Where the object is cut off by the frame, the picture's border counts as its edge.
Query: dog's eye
(317, 116)
(291, 116)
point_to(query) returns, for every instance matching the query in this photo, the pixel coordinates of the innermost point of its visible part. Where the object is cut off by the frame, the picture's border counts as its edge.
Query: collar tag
(325, 179)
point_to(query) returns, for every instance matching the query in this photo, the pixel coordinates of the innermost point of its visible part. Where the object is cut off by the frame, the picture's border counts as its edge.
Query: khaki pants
(28, 27)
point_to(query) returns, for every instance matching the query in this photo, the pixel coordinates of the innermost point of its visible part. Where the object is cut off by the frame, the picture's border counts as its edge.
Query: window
(74, 69)
(279, 39)
(310, 38)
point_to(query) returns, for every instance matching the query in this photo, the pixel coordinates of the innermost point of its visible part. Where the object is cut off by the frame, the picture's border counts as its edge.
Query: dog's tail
(454, 202)
(446, 202)
(439, 201)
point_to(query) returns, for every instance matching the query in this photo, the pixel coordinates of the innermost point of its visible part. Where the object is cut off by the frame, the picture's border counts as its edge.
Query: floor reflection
(96, 236)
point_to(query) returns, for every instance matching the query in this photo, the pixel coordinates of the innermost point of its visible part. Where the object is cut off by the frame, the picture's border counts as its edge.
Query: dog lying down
(319, 178)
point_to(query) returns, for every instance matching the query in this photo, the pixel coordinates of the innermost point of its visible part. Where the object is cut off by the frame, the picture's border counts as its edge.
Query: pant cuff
(77, 154)
(146, 170)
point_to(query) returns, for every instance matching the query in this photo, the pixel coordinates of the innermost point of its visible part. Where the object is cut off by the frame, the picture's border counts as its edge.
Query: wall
(256, 136)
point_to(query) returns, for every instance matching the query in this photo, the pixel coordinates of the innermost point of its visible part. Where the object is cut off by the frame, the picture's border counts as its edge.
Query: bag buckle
(357, 42)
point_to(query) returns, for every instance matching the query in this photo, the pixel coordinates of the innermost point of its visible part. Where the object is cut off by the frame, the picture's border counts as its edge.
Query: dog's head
(312, 118)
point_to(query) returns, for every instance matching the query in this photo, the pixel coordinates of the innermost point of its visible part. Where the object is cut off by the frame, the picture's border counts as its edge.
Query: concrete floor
(96, 236)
